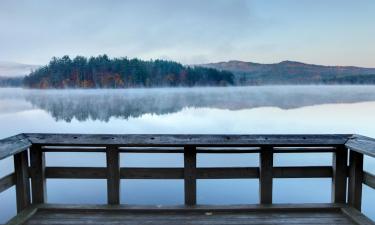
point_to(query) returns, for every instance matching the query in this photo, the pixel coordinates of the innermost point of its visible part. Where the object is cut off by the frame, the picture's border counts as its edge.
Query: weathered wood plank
(265, 175)
(13, 145)
(150, 140)
(76, 172)
(369, 179)
(113, 175)
(21, 164)
(339, 177)
(227, 172)
(205, 150)
(302, 172)
(303, 149)
(188, 218)
(7, 182)
(362, 144)
(73, 149)
(357, 216)
(203, 208)
(178, 173)
(355, 179)
(151, 173)
(190, 175)
(23, 216)
(38, 175)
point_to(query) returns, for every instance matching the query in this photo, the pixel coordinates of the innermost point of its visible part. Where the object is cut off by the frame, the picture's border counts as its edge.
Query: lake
(224, 110)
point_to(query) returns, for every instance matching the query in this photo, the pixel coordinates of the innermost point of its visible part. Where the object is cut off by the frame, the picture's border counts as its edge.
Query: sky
(327, 32)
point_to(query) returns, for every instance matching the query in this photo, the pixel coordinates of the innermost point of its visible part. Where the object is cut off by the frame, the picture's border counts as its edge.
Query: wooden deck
(199, 215)
(31, 173)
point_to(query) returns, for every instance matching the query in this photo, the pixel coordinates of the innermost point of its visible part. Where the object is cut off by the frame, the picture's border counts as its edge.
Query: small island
(103, 72)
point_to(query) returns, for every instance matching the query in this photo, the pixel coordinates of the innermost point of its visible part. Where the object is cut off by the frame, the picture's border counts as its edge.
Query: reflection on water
(104, 104)
(240, 110)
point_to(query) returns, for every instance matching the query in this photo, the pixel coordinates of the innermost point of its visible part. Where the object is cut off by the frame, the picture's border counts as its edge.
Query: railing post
(113, 175)
(265, 175)
(339, 176)
(21, 165)
(38, 174)
(355, 179)
(190, 165)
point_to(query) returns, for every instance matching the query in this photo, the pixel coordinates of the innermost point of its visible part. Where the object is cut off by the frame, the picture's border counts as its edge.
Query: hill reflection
(104, 104)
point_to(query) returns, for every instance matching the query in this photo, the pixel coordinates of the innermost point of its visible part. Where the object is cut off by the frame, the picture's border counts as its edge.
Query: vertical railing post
(38, 175)
(190, 165)
(21, 165)
(265, 175)
(113, 175)
(355, 179)
(339, 176)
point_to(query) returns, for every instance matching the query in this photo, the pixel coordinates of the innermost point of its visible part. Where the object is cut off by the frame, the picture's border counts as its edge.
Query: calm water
(242, 110)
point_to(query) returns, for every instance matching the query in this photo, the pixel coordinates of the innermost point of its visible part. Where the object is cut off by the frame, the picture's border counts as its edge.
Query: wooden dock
(346, 171)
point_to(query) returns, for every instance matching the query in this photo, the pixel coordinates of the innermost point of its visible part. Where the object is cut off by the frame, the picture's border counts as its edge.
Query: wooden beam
(13, 145)
(369, 179)
(21, 165)
(23, 216)
(151, 173)
(339, 176)
(190, 179)
(227, 173)
(113, 175)
(198, 140)
(357, 216)
(38, 174)
(197, 208)
(302, 172)
(7, 182)
(265, 175)
(76, 172)
(361, 144)
(178, 173)
(355, 179)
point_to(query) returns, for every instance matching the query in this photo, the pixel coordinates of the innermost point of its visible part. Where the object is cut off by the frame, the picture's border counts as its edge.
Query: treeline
(104, 72)
(352, 79)
(11, 81)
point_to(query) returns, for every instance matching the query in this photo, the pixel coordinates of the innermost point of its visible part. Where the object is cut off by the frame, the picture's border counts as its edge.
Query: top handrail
(181, 140)
(362, 144)
(15, 144)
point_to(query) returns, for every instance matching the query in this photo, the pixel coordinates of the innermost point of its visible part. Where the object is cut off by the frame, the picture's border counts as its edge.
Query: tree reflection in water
(102, 104)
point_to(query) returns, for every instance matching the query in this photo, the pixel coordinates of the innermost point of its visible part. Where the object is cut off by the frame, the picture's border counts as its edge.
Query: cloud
(194, 31)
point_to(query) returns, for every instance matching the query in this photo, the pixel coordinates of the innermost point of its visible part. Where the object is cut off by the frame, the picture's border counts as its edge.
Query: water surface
(239, 110)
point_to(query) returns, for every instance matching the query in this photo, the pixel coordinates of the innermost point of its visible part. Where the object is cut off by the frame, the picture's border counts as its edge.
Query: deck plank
(197, 215)
(196, 218)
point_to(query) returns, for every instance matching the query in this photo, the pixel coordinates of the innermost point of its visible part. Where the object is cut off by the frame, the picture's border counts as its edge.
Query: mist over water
(227, 110)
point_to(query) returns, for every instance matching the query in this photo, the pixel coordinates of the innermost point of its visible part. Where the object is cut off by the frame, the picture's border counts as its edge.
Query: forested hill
(104, 72)
(289, 72)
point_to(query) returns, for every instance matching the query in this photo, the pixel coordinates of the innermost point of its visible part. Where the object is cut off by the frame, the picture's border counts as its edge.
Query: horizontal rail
(7, 182)
(199, 150)
(198, 140)
(369, 179)
(178, 173)
(13, 145)
(361, 144)
(302, 172)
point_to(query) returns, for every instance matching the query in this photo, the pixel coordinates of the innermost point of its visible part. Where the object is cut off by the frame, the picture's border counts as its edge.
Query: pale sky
(328, 32)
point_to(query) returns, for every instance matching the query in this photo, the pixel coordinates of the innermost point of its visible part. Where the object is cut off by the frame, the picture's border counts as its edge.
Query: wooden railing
(34, 146)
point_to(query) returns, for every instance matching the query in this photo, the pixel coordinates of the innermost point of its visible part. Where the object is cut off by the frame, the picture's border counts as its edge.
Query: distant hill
(289, 72)
(12, 73)
(13, 69)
